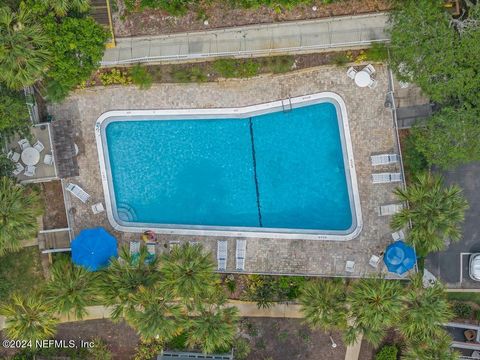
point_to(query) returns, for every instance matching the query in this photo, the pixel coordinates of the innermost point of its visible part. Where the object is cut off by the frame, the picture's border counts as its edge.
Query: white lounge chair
(351, 72)
(382, 178)
(350, 266)
(78, 192)
(30, 170)
(373, 84)
(13, 155)
(18, 169)
(134, 247)
(398, 235)
(390, 209)
(48, 159)
(384, 159)
(39, 146)
(24, 144)
(240, 252)
(222, 254)
(369, 69)
(98, 208)
(151, 250)
(374, 261)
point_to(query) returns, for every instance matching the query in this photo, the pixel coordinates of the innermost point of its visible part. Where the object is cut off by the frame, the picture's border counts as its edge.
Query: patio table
(362, 79)
(30, 156)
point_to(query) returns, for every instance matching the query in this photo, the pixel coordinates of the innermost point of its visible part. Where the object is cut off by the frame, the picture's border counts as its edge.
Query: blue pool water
(280, 170)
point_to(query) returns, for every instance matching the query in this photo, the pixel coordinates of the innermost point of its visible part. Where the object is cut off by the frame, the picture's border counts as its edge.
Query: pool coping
(235, 113)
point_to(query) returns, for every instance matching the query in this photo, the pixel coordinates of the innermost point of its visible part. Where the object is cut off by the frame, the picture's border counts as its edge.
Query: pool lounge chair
(23, 143)
(30, 171)
(13, 155)
(382, 178)
(152, 254)
(384, 159)
(398, 235)
(222, 254)
(18, 169)
(134, 248)
(39, 146)
(351, 72)
(78, 192)
(390, 209)
(241, 247)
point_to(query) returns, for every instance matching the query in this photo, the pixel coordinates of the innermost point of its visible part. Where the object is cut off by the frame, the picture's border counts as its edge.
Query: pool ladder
(288, 106)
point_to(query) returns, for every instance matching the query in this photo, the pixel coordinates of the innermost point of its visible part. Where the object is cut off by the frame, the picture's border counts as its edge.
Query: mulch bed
(220, 14)
(54, 216)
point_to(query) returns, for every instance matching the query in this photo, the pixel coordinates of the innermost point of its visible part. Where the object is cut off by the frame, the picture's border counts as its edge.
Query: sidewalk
(245, 308)
(255, 40)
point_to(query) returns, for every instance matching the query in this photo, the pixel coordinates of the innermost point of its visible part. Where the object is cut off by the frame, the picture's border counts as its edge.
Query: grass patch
(464, 296)
(20, 271)
(278, 64)
(233, 68)
(194, 74)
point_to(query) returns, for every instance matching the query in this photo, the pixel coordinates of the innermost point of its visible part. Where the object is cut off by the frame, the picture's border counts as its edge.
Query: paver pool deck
(372, 131)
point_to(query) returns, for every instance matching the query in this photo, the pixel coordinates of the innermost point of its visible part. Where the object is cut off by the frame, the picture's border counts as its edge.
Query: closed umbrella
(94, 248)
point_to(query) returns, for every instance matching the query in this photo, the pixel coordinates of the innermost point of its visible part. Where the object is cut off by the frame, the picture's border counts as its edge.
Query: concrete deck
(372, 131)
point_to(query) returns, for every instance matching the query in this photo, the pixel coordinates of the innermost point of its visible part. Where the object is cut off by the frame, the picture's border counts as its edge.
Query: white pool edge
(239, 112)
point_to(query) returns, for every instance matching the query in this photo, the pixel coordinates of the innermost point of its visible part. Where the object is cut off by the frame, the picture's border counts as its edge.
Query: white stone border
(234, 113)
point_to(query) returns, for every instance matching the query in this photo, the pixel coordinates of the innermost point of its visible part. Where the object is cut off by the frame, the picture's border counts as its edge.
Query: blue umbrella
(93, 248)
(399, 257)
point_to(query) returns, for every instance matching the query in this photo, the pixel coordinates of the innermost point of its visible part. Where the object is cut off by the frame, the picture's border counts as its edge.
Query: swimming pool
(281, 169)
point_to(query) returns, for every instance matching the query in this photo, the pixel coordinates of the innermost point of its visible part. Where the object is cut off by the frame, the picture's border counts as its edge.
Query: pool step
(126, 212)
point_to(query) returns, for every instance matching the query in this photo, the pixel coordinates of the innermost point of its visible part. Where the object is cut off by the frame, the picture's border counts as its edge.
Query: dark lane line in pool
(255, 172)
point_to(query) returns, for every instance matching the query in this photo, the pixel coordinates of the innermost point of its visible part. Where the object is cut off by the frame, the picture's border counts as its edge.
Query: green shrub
(6, 166)
(462, 310)
(241, 349)
(231, 283)
(341, 59)
(378, 52)
(413, 160)
(232, 68)
(194, 74)
(148, 349)
(115, 77)
(279, 64)
(141, 77)
(477, 315)
(387, 352)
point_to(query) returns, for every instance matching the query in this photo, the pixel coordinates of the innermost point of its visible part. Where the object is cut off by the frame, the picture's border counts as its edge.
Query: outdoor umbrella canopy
(399, 257)
(93, 248)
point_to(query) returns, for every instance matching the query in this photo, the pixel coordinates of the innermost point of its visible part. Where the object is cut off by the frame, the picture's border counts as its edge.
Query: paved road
(446, 264)
(278, 38)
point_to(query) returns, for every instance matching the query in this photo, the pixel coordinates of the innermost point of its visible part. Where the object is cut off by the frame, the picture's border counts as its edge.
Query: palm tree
(62, 7)
(426, 310)
(124, 278)
(71, 288)
(437, 348)
(375, 305)
(435, 213)
(23, 48)
(28, 317)
(188, 273)
(214, 329)
(155, 315)
(19, 209)
(324, 304)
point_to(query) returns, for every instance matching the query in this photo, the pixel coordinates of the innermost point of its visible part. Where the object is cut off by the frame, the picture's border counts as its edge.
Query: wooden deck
(101, 13)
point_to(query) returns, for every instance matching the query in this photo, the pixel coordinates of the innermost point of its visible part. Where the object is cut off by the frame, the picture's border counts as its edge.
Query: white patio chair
(351, 72)
(134, 247)
(374, 261)
(373, 84)
(369, 69)
(78, 192)
(350, 266)
(13, 155)
(18, 169)
(24, 144)
(240, 252)
(384, 159)
(390, 209)
(222, 255)
(39, 146)
(398, 235)
(48, 159)
(382, 178)
(30, 170)
(98, 208)
(151, 249)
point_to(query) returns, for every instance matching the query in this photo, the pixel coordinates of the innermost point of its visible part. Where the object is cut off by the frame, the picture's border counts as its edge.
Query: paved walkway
(256, 40)
(246, 309)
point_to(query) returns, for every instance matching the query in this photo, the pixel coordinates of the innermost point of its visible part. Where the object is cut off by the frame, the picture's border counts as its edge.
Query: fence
(259, 40)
